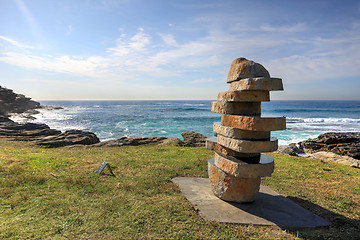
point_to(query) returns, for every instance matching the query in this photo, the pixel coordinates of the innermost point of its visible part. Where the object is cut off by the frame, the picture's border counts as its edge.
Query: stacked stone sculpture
(243, 134)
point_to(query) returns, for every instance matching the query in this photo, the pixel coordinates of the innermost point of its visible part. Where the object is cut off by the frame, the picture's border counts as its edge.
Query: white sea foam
(323, 120)
(61, 119)
(194, 104)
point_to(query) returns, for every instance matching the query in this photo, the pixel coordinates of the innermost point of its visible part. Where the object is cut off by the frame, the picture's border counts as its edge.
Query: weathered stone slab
(243, 68)
(243, 108)
(240, 134)
(193, 139)
(253, 123)
(244, 96)
(230, 188)
(269, 209)
(244, 170)
(262, 84)
(248, 146)
(212, 144)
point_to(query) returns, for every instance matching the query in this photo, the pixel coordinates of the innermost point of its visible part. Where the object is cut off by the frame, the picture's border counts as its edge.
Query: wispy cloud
(136, 43)
(69, 30)
(168, 39)
(14, 42)
(298, 27)
(143, 55)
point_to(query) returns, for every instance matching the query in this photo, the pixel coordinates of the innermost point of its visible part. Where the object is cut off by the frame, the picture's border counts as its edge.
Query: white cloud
(140, 57)
(136, 43)
(69, 30)
(14, 42)
(204, 80)
(91, 67)
(169, 39)
(298, 27)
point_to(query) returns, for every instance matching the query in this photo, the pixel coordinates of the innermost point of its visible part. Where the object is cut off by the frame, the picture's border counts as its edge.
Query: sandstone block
(243, 68)
(243, 108)
(244, 170)
(240, 134)
(246, 146)
(193, 139)
(212, 144)
(261, 84)
(230, 188)
(244, 96)
(253, 123)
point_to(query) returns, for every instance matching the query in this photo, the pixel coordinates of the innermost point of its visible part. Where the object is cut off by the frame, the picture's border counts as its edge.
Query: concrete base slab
(269, 208)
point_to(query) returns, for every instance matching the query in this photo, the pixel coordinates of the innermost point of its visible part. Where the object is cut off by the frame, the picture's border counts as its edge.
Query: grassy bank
(54, 193)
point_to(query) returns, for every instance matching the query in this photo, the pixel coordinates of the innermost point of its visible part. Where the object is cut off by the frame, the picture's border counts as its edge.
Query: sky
(162, 50)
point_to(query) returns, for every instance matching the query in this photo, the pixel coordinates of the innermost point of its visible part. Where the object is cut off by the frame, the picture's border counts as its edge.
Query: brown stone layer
(243, 108)
(252, 123)
(246, 146)
(230, 188)
(262, 84)
(212, 144)
(244, 170)
(244, 96)
(237, 133)
(243, 68)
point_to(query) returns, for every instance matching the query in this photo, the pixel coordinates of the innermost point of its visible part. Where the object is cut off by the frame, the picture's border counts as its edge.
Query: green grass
(56, 194)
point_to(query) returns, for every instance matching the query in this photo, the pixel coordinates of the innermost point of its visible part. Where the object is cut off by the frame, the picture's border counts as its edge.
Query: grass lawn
(56, 194)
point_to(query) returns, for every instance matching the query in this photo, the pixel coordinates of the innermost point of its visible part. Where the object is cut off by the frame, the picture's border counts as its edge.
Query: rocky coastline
(338, 147)
(13, 104)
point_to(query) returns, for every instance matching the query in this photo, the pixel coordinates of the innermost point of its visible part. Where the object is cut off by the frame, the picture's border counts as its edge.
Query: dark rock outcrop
(43, 135)
(193, 139)
(344, 144)
(11, 102)
(292, 150)
(129, 141)
(71, 137)
(25, 132)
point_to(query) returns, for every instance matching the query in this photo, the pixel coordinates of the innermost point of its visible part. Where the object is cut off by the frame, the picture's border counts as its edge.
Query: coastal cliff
(11, 102)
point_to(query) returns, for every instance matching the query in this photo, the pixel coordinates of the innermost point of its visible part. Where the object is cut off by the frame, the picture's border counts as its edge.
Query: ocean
(115, 119)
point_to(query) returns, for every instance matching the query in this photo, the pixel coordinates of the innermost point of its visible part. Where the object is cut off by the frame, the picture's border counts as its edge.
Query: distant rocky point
(17, 105)
(13, 103)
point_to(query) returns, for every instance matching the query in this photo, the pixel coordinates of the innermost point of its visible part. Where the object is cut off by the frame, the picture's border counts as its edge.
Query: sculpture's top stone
(243, 68)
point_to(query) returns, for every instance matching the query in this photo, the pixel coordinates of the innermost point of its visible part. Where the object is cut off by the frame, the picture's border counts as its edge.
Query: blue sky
(132, 49)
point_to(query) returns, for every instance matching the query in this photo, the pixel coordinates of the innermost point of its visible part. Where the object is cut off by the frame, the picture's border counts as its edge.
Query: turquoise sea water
(115, 119)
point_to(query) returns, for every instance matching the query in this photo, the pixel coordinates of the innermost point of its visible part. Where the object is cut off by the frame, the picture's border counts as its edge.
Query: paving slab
(269, 209)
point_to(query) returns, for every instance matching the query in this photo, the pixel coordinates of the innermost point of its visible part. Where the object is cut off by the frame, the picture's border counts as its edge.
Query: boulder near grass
(235, 172)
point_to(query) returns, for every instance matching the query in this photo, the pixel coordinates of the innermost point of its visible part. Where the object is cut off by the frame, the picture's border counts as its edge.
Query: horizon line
(84, 100)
